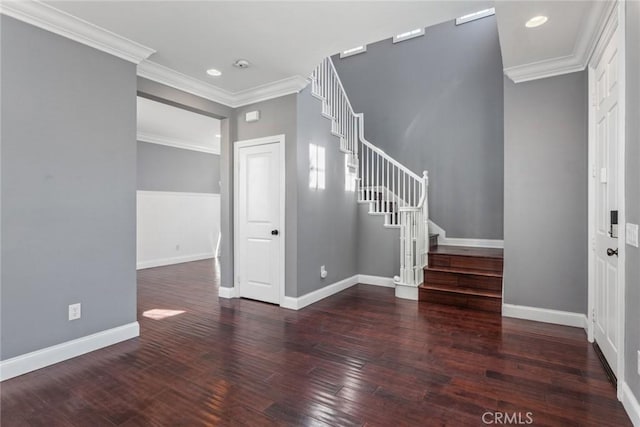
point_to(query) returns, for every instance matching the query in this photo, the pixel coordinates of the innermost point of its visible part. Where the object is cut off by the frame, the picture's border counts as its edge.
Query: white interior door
(260, 250)
(605, 173)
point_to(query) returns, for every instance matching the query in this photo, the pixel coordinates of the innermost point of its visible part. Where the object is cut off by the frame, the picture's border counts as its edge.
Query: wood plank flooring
(361, 357)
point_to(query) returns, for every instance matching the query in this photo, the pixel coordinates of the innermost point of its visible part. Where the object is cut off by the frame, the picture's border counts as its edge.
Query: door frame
(615, 21)
(237, 145)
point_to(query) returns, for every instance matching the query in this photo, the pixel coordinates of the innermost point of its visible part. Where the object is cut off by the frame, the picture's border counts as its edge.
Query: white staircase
(389, 187)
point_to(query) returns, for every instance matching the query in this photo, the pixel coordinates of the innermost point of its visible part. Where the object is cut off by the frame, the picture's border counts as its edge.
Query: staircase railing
(390, 188)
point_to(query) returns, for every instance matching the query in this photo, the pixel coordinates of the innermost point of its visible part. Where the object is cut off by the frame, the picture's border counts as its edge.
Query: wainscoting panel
(176, 227)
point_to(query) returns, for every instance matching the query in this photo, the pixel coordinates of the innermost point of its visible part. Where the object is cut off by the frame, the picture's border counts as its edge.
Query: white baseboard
(48, 356)
(174, 260)
(365, 279)
(294, 303)
(456, 241)
(566, 318)
(631, 405)
(224, 292)
(407, 292)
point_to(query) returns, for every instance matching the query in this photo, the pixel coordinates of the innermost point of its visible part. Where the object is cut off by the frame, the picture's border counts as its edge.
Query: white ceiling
(556, 38)
(562, 44)
(163, 124)
(280, 39)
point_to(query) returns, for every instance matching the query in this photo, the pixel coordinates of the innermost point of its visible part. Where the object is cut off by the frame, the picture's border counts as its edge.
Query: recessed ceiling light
(536, 21)
(213, 72)
(218, 135)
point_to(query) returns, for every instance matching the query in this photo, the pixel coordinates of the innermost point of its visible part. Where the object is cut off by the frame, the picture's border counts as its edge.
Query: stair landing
(468, 277)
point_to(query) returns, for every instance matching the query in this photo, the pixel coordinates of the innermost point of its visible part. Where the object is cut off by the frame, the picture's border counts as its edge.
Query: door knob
(275, 232)
(612, 252)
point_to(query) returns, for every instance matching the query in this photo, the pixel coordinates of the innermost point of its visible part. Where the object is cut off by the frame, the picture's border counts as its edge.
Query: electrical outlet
(632, 234)
(74, 311)
(177, 247)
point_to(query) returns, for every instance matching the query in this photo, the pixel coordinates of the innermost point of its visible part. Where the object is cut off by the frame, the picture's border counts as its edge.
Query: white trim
(457, 241)
(577, 60)
(407, 292)
(175, 143)
(274, 139)
(66, 25)
(228, 292)
(566, 318)
(591, 191)
(176, 193)
(622, 215)
(386, 282)
(173, 260)
(288, 86)
(630, 403)
(615, 21)
(294, 303)
(169, 77)
(38, 359)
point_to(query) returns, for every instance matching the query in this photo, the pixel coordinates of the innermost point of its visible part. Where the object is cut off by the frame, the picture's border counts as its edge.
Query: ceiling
(562, 44)
(285, 40)
(167, 125)
(556, 38)
(280, 39)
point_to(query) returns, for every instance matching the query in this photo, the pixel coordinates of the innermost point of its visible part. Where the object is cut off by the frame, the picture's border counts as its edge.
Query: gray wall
(327, 219)
(435, 102)
(163, 168)
(187, 101)
(68, 189)
(278, 116)
(632, 323)
(545, 193)
(378, 247)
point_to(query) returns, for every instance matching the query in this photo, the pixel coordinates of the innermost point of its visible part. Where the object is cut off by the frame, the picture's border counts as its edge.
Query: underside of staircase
(467, 277)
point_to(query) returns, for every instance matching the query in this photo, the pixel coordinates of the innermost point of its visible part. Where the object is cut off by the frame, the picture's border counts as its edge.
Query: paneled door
(259, 222)
(605, 173)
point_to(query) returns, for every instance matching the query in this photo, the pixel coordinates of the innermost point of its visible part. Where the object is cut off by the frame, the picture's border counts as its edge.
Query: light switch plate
(632, 234)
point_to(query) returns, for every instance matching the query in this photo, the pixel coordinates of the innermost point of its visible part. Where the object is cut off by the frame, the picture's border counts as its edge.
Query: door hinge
(593, 315)
(594, 100)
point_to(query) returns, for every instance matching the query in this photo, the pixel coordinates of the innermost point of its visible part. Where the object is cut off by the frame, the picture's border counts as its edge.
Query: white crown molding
(58, 22)
(579, 58)
(293, 84)
(169, 77)
(175, 143)
(64, 24)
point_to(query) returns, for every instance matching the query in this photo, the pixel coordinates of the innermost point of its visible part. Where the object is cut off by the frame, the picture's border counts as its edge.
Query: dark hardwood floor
(360, 357)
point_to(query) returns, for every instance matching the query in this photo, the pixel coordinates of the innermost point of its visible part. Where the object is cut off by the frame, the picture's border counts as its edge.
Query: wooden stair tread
(463, 270)
(462, 290)
(468, 251)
